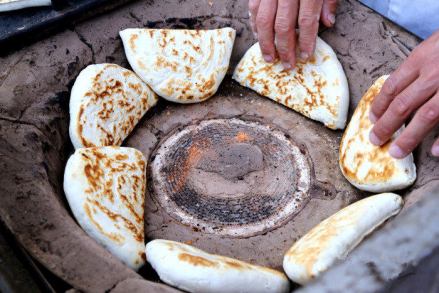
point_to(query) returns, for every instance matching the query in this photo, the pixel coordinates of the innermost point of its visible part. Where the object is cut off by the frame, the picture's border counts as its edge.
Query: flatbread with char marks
(366, 166)
(105, 188)
(180, 65)
(194, 270)
(106, 103)
(334, 238)
(317, 89)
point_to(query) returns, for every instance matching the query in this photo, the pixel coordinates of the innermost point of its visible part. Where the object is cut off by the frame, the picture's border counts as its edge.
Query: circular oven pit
(238, 175)
(230, 177)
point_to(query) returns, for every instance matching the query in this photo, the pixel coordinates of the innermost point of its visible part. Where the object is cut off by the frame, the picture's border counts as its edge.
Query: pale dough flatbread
(332, 240)
(9, 5)
(194, 270)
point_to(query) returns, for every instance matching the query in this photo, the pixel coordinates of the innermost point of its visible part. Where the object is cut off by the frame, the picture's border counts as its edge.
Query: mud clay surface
(230, 177)
(34, 144)
(262, 240)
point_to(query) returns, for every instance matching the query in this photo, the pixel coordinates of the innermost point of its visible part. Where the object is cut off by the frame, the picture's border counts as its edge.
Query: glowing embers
(230, 177)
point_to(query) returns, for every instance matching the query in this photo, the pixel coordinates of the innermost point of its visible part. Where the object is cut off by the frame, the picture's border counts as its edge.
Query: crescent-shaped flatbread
(317, 89)
(183, 66)
(8, 5)
(105, 188)
(194, 270)
(333, 239)
(366, 166)
(106, 103)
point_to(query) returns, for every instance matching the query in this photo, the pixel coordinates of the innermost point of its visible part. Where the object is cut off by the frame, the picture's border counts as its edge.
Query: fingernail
(286, 65)
(374, 139)
(304, 56)
(435, 150)
(372, 117)
(331, 18)
(396, 152)
(268, 58)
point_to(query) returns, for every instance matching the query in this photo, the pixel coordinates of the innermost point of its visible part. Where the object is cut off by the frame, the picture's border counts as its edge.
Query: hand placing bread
(317, 89)
(105, 183)
(365, 165)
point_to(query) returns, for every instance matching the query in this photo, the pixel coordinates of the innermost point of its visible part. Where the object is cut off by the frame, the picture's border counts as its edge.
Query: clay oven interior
(246, 146)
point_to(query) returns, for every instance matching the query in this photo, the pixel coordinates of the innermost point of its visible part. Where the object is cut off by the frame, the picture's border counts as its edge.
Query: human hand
(412, 88)
(277, 20)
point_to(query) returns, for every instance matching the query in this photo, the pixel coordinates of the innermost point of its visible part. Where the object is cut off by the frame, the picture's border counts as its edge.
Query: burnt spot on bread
(132, 41)
(193, 62)
(196, 260)
(302, 89)
(114, 237)
(369, 164)
(117, 184)
(307, 251)
(123, 101)
(134, 228)
(141, 64)
(235, 264)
